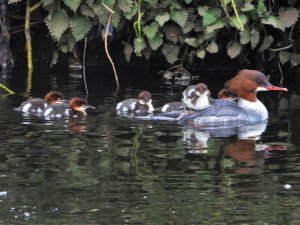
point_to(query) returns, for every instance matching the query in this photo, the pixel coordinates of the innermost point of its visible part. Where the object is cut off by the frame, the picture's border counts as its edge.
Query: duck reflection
(239, 150)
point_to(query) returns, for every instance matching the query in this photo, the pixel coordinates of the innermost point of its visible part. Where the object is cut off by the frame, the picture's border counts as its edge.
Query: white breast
(256, 110)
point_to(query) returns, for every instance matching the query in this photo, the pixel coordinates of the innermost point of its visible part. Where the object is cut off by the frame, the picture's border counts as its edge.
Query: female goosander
(248, 109)
(143, 104)
(38, 105)
(196, 97)
(75, 108)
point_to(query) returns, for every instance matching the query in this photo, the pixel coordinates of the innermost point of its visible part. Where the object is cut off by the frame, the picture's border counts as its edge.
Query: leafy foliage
(151, 30)
(171, 52)
(180, 17)
(288, 16)
(234, 49)
(73, 4)
(80, 26)
(61, 18)
(162, 18)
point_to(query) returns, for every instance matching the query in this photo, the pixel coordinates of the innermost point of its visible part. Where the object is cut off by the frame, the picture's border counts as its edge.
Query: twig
(107, 52)
(7, 89)
(83, 66)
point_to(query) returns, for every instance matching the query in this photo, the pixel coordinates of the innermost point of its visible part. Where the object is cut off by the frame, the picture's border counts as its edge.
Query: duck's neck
(255, 109)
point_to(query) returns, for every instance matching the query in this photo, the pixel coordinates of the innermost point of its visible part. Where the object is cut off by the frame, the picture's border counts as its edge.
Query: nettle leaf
(172, 32)
(180, 17)
(284, 56)
(139, 45)
(268, 40)
(247, 7)
(295, 59)
(171, 52)
(188, 27)
(261, 7)
(72, 4)
(254, 38)
(156, 42)
(13, 1)
(191, 41)
(234, 49)
(200, 53)
(217, 25)
(152, 3)
(128, 50)
(116, 18)
(101, 12)
(288, 17)
(86, 11)
(235, 22)
(209, 18)
(212, 47)
(274, 21)
(132, 12)
(202, 10)
(245, 36)
(188, 1)
(80, 26)
(151, 30)
(108, 3)
(147, 52)
(58, 23)
(162, 18)
(90, 3)
(125, 5)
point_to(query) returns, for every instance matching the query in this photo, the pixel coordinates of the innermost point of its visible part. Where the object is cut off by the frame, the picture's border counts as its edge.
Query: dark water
(112, 170)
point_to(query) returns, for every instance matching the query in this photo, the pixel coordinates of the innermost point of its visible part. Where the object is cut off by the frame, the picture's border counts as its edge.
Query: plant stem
(83, 66)
(7, 89)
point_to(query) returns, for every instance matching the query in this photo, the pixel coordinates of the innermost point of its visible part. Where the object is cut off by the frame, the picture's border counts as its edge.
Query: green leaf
(209, 18)
(202, 10)
(261, 7)
(254, 38)
(151, 30)
(288, 17)
(245, 36)
(47, 3)
(172, 32)
(171, 52)
(147, 52)
(101, 12)
(217, 25)
(235, 22)
(191, 41)
(128, 50)
(86, 11)
(72, 4)
(268, 40)
(156, 42)
(116, 18)
(180, 17)
(234, 49)
(80, 26)
(132, 12)
(274, 21)
(125, 5)
(13, 1)
(152, 3)
(90, 3)
(139, 45)
(295, 59)
(189, 26)
(212, 47)
(108, 3)
(162, 18)
(188, 1)
(284, 56)
(247, 7)
(200, 53)
(58, 23)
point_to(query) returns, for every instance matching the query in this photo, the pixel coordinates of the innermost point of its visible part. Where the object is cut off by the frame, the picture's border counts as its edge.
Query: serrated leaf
(101, 12)
(268, 40)
(156, 42)
(295, 59)
(245, 36)
(13, 1)
(288, 16)
(86, 11)
(284, 56)
(217, 25)
(128, 50)
(72, 4)
(202, 10)
(180, 17)
(152, 3)
(151, 30)
(209, 18)
(247, 7)
(108, 3)
(116, 18)
(254, 38)
(191, 41)
(125, 5)
(162, 18)
(132, 12)
(64, 48)
(200, 53)
(172, 33)
(147, 52)
(58, 23)
(171, 52)
(234, 49)
(274, 21)
(212, 47)
(261, 7)
(236, 23)
(90, 3)
(139, 45)
(188, 1)
(80, 26)
(189, 26)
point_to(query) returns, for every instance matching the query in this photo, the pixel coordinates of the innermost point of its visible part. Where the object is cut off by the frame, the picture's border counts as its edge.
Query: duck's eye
(259, 81)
